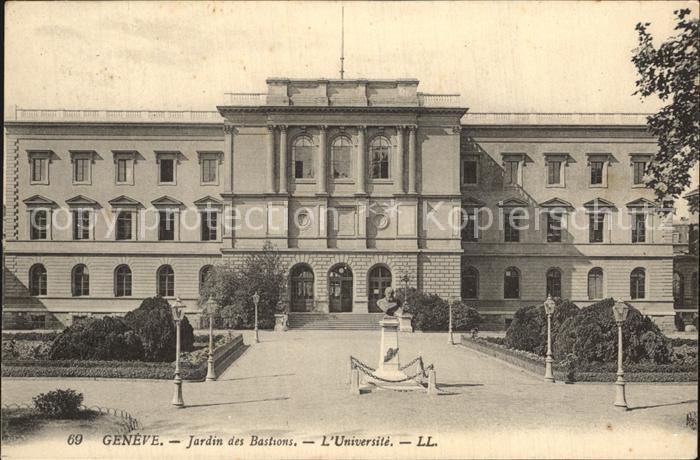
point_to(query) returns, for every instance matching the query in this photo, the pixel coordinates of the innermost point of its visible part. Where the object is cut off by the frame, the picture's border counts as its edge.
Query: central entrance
(340, 289)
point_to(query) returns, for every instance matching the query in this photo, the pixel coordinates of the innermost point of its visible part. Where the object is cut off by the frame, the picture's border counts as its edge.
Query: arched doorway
(379, 280)
(302, 288)
(340, 289)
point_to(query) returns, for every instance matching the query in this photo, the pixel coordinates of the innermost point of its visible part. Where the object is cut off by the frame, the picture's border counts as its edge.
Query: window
(637, 283)
(122, 165)
(638, 168)
(124, 225)
(554, 227)
(678, 288)
(80, 281)
(167, 170)
(638, 227)
(342, 158)
(379, 152)
(553, 172)
(38, 224)
(470, 283)
(81, 170)
(595, 227)
(302, 286)
(554, 283)
(513, 224)
(379, 280)
(209, 225)
(597, 172)
(209, 167)
(122, 281)
(470, 225)
(39, 170)
(203, 276)
(595, 283)
(694, 288)
(81, 224)
(166, 225)
(37, 280)
(511, 283)
(512, 168)
(303, 158)
(470, 171)
(165, 281)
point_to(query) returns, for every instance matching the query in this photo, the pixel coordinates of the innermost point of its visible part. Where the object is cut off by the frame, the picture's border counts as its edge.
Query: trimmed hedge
(528, 331)
(35, 336)
(98, 339)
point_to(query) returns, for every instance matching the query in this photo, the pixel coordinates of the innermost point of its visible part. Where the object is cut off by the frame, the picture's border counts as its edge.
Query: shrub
(679, 323)
(153, 323)
(38, 336)
(102, 339)
(60, 404)
(528, 331)
(432, 313)
(592, 337)
(25, 349)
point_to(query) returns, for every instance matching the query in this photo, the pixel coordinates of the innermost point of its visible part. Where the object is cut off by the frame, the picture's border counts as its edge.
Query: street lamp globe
(256, 298)
(178, 310)
(549, 305)
(620, 310)
(211, 306)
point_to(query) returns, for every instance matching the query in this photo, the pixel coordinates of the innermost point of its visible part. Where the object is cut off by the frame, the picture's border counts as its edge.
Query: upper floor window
(639, 227)
(514, 223)
(303, 158)
(638, 168)
(209, 167)
(637, 284)
(512, 172)
(166, 225)
(511, 283)
(39, 167)
(341, 152)
(37, 280)
(470, 170)
(124, 167)
(38, 224)
(124, 225)
(554, 226)
(80, 281)
(379, 152)
(595, 283)
(82, 224)
(209, 225)
(597, 173)
(596, 225)
(167, 167)
(598, 169)
(82, 167)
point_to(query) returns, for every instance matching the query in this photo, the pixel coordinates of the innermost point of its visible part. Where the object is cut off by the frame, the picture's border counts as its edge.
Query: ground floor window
(511, 283)
(302, 284)
(470, 283)
(81, 281)
(637, 283)
(379, 280)
(122, 281)
(595, 283)
(37, 280)
(166, 281)
(554, 283)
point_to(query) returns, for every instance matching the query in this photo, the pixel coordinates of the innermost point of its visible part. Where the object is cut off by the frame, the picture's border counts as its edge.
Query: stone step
(335, 321)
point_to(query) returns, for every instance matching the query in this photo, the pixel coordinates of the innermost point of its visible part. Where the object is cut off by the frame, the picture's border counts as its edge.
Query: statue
(389, 304)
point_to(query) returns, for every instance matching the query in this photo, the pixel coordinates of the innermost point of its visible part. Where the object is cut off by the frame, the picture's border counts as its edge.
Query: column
(361, 161)
(270, 173)
(284, 167)
(412, 159)
(322, 167)
(399, 159)
(228, 158)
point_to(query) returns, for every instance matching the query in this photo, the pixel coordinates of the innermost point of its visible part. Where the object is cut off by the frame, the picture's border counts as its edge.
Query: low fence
(130, 422)
(227, 354)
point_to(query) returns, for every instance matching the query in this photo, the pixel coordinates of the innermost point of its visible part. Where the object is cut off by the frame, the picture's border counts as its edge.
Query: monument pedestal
(405, 322)
(389, 367)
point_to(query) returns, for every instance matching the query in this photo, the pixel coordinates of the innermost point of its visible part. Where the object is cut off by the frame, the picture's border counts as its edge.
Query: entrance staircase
(335, 321)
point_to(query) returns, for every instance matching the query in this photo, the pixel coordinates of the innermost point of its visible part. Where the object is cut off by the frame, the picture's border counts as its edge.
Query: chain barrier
(369, 371)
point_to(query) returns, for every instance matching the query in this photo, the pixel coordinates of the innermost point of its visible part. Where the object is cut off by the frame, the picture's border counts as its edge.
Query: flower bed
(685, 371)
(193, 365)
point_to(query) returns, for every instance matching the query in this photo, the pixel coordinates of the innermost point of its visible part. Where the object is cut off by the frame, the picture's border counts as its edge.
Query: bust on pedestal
(389, 363)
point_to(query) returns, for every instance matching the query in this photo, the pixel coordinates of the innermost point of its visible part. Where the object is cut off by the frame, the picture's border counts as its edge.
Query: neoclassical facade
(355, 182)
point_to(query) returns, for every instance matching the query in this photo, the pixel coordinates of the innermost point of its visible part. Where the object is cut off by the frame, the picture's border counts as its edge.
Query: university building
(355, 182)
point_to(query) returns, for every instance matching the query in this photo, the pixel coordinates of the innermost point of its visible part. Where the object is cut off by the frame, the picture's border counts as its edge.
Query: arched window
(379, 280)
(81, 281)
(340, 288)
(554, 282)
(595, 283)
(511, 283)
(341, 153)
(166, 281)
(303, 151)
(203, 275)
(37, 280)
(122, 281)
(678, 288)
(470, 283)
(637, 283)
(379, 153)
(302, 288)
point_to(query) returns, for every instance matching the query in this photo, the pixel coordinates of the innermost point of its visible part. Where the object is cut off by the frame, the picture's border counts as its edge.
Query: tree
(671, 73)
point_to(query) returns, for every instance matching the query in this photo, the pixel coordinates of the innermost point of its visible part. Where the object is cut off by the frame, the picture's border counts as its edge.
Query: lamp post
(620, 310)
(178, 310)
(450, 337)
(405, 280)
(256, 299)
(549, 305)
(211, 309)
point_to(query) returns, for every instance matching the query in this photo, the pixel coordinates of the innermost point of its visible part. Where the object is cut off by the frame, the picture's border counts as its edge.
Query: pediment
(208, 202)
(123, 201)
(39, 201)
(167, 202)
(82, 201)
(598, 203)
(641, 203)
(556, 203)
(513, 203)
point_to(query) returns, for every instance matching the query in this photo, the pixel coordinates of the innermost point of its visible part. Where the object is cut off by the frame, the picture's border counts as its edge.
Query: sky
(499, 56)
